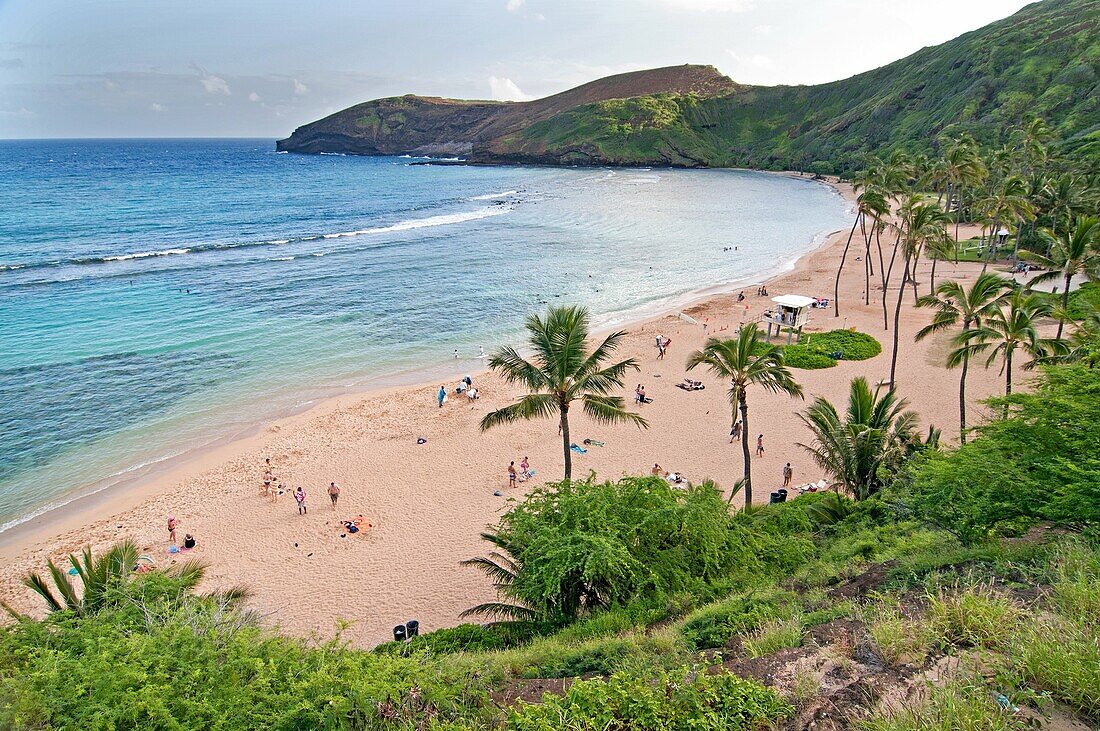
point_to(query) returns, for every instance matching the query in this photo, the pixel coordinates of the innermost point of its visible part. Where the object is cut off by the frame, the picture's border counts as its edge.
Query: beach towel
(578, 449)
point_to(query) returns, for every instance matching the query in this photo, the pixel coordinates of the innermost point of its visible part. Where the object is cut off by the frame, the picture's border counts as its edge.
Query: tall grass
(958, 705)
(774, 636)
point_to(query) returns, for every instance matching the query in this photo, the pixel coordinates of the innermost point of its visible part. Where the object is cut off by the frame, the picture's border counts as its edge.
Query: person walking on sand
(735, 431)
(172, 523)
(788, 473)
(760, 445)
(524, 469)
(512, 474)
(300, 498)
(268, 477)
(441, 396)
(333, 494)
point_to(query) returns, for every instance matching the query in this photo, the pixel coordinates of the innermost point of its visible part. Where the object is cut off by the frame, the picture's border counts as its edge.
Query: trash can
(399, 633)
(774, 498)
(782, 494)
(412, 628)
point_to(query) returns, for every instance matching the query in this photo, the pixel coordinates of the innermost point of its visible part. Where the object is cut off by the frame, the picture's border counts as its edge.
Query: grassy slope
(1045, 60)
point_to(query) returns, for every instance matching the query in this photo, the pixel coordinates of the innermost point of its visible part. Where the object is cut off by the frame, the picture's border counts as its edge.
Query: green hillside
(1044, 61)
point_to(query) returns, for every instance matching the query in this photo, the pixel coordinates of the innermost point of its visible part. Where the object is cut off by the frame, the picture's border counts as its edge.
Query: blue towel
(578, 449)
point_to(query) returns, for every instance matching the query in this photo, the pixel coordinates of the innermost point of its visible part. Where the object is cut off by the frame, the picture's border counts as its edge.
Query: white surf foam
(441, 220)
(146, 254)
(491, 196)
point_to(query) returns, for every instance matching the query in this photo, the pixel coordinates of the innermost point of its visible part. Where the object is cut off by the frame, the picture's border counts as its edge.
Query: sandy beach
(427, 502)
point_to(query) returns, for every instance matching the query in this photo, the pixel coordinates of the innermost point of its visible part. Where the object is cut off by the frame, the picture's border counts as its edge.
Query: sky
(260, 68)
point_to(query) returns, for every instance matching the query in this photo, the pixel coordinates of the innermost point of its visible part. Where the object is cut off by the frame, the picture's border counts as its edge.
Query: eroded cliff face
(484, 131)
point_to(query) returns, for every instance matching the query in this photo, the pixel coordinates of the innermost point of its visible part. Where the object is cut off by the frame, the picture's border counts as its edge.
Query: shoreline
(427, 502)
(126, 488)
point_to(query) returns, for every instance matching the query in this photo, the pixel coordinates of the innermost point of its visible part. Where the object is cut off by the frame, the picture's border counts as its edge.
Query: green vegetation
(823, 350)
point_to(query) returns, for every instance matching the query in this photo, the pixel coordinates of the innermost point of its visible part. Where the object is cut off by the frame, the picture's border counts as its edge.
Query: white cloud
(154, 107)
(253, 97)
(755, 60)
(211, 83)
(763, 30)
(300, 88)
(514, 6)
(717, 6)
(504, 89)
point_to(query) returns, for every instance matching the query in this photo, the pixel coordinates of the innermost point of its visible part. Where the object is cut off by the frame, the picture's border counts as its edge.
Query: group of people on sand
(674, 478)
(640, 397)
(522, 474)
(273, 489)
(173, 545)
(465, 386)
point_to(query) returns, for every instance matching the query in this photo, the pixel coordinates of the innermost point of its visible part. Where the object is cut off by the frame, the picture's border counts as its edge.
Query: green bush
(850, 344)
(714, 625)
(463, 638)
(806, 357)
(685, 700)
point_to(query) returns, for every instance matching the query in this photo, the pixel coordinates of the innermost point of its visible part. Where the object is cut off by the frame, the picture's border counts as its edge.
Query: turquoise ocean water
(160, 295)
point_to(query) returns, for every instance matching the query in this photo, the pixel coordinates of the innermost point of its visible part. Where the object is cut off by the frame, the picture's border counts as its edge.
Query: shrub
(684, 700)
(973, 617)
(851, 345)
(714, 625)
(1062, 656)
(957, 704)
(463, 638)
(806, 357)
(900, 640)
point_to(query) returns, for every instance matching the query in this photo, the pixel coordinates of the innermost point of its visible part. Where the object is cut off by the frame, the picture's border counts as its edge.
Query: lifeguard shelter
(791, 311)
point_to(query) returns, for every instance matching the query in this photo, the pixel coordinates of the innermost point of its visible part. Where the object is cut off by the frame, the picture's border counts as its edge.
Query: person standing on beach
(300, 498)
(333, 494)
(788, 473)
(760, 445)
(735, 431)
(524, 469)
(441, 396)
(512, 474)
(172, 523)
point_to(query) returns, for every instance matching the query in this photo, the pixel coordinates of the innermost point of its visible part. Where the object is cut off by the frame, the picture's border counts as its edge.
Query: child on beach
(760, 446)
(300, 498)
(333, 493)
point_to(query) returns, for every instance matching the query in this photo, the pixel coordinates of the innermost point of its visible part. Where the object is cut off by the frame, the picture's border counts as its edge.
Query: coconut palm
(503, 567)
(871, 204)
(103, 576)
(1073, 253)
(874, 431)
(954, 305)
(1006, 203)
(746, 360)
(563, 371)
(918, 223)
(1012, 328)
(964, 171)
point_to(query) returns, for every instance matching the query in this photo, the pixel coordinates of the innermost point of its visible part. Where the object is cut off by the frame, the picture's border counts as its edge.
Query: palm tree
(873, 432)
(1011, 328)
(954, 304)
(1007, 202)
(919, 222)
(746, 360)
(103, 576)
(563, 372)
(503, 567)
(870, 203)
(964, 170)
(1074, 252)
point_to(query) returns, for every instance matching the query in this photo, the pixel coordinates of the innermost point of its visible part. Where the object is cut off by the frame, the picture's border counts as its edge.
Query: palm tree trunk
(565, 441)
(1065, 306)
(745, 447)
(843, 256)
(881, 272)
(1008, 375)
(962, 390)
(886, 283)
(897, 319)
(913, 274)
(932, 276)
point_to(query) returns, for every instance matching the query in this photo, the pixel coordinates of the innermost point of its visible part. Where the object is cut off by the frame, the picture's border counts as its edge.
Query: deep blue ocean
(159, 295)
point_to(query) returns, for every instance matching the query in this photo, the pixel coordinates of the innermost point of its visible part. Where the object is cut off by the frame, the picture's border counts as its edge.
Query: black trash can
(782, 494)
(399, 633)
(774, 498)
(412, 628)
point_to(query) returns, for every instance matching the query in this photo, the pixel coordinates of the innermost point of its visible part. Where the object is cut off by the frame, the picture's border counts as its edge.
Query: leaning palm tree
(746, 360)
(1012, 328)
(561, 372)
(503, 567)
(954, 305)
(1072, 254)
(919, 222)
(872, 433)
(870, 204)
